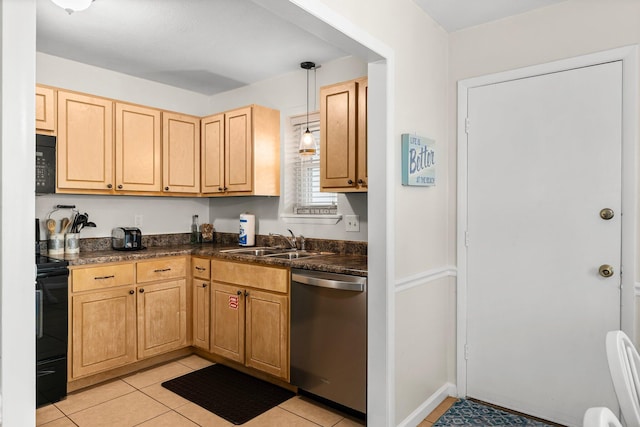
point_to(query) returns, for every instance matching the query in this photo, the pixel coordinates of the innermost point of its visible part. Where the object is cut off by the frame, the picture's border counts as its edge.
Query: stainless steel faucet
(291, 241)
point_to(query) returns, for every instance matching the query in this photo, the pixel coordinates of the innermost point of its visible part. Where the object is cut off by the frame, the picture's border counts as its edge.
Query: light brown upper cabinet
(343, 136)
(138, 148)
(241, 152)
(180, 153)
(45, 110)
(85, 143)
(212, 151)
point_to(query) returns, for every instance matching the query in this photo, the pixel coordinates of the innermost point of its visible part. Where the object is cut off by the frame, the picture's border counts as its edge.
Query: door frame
(629, 57)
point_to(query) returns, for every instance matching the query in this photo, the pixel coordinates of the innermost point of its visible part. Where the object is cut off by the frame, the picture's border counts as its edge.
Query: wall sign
(418, 160)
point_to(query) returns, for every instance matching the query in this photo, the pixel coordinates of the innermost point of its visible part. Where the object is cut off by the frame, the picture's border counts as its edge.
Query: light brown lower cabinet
(115, 321)
(201, 301)
(103, 330)
(250, 315)
(162, 317)
(201, 291)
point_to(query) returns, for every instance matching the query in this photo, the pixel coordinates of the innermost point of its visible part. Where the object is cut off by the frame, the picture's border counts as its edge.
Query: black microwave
(45, 164)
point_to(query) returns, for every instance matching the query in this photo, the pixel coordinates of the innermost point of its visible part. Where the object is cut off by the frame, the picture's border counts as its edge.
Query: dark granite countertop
(353, 264)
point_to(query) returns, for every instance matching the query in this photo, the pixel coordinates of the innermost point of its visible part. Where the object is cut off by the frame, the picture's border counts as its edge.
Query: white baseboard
(429, 405)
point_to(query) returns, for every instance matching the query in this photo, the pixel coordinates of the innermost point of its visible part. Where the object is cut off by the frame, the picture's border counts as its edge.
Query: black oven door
(51, 315)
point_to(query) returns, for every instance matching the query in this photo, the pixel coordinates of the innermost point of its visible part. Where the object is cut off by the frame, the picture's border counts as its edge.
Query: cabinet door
(85, 142)
(180, 153)
(201, 304)
(103, 330)
(138, 148)
(238, 150)
(162, 317)
(338, 115)
(362, 174)
(213, 154)
(227, 321)
(45, 110)
(267, 334)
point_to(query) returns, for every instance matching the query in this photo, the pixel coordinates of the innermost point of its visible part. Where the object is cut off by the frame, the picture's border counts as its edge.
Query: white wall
(17, 171)
(173, 214)
(571, 28)
(160, 214)
(287, 93)
(72, 75)
(417, 103)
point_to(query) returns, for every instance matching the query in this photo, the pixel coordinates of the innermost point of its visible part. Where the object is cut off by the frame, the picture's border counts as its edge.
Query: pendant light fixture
(73, 5)
(308, 147)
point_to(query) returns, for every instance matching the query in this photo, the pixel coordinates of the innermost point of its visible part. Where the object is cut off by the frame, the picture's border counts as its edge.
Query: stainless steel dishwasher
(329, 336)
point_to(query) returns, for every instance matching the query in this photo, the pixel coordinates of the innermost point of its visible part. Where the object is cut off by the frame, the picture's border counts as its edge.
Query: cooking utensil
(80, 221)
(64, 225)
(51, 225)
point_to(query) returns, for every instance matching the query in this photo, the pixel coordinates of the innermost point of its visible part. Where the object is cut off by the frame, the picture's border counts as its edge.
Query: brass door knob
(605, 270)
(606, 213)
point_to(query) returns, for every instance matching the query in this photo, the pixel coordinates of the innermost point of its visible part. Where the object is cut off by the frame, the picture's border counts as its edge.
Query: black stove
(45, 263)
(51, 329)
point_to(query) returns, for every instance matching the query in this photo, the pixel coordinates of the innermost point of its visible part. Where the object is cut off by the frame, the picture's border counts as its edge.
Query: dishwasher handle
(357, 286)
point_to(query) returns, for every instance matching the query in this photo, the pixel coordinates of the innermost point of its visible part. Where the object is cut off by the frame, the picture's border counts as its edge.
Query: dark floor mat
(230, 394)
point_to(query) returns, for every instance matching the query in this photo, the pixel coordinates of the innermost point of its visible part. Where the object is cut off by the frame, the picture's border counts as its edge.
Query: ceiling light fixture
(308, 147)
(73, 5)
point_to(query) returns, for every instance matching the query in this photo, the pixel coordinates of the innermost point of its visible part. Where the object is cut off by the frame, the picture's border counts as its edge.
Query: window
(302, 178)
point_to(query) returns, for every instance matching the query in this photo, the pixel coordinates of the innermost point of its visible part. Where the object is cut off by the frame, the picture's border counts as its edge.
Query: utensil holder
(72, 243)
(55, 244)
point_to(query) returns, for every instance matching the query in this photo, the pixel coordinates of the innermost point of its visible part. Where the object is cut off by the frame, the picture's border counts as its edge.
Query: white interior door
(544, 158)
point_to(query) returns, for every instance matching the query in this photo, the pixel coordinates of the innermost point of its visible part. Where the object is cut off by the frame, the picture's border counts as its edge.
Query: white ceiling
(454, 15)
(212, 46)
(207, 46)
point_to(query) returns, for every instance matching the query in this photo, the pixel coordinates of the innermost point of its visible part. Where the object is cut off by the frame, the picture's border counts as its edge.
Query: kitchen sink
(271, 252)
(298, 254)
(260, 251)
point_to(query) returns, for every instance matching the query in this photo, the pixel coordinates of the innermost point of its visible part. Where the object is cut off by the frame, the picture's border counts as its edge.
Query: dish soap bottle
(195, 231)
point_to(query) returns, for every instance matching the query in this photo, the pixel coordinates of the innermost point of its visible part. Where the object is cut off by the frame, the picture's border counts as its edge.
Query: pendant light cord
(307, 100)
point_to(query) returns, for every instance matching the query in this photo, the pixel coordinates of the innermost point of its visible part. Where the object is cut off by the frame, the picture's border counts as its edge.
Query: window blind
(305, 196)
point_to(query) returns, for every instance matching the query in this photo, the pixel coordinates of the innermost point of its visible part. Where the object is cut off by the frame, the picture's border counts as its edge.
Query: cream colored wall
(420, 340)
(420, 344)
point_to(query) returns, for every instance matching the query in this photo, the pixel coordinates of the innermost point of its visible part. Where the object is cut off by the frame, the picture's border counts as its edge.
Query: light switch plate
(137, 221)
(352, 222)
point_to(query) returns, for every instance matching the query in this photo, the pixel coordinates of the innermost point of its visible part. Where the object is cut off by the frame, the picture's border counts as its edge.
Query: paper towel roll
(247, 235)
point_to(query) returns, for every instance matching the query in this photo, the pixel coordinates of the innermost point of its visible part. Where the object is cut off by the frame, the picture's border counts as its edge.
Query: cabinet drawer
(161, 269)
(84, 279)
(201, 268)
(256, 276)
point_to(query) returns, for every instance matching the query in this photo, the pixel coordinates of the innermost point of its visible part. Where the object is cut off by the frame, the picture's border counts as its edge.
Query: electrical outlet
(352, 222)
(137, 221)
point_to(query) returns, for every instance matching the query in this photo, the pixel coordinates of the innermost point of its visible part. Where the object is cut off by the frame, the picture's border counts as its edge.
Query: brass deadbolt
(605, 270)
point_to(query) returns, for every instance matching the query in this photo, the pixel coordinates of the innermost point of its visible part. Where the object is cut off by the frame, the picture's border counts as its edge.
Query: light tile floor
(140, 400)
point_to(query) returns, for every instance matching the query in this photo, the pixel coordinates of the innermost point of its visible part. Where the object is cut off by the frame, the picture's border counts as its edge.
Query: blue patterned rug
(472, 414)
